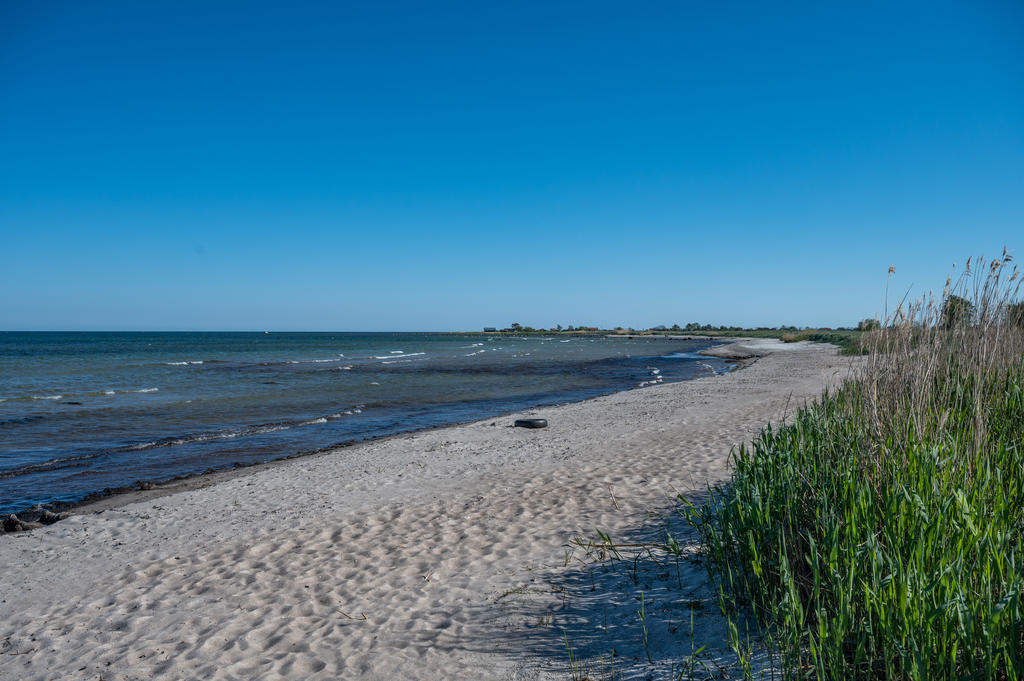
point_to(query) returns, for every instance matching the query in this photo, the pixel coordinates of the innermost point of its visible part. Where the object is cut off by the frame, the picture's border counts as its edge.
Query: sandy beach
(445, 554)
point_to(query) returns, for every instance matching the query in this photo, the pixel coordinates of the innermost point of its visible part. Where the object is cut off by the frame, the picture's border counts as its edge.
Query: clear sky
(421, 166)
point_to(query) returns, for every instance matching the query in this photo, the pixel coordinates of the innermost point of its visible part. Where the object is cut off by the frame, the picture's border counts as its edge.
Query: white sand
(439, 555)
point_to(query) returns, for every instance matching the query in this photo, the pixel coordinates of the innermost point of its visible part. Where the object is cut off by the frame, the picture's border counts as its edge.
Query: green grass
(901, 563)
(849, 342)
(881, 534)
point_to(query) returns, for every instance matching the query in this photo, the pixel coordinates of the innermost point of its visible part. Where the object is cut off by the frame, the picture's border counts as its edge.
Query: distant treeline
(692, 327)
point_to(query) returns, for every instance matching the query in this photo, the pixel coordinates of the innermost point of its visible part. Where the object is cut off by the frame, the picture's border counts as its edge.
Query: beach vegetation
(880, 534)
(956, 311)
(1015, 314)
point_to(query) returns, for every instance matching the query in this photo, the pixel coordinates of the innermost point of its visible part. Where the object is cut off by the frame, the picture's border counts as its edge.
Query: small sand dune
(440, 555)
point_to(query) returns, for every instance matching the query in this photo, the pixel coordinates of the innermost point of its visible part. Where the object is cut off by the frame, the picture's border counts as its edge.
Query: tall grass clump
(881, 534)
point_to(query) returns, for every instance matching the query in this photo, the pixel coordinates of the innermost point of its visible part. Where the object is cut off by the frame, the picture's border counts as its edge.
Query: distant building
(489, 329)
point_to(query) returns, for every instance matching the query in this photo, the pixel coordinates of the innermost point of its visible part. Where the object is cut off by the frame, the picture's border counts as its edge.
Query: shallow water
(81, 412)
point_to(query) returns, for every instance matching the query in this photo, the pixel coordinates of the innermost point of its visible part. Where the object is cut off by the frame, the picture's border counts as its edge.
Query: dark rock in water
(78, 403)
(13, 523)
(144, 486)
(48, 517)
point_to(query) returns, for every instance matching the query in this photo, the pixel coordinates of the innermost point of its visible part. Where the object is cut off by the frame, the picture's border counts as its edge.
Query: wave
(397, 354)
(683, 355)
(46, 465)
(92, 393)
(22, 419)
(261, 429)
(340, 358)
(656, 378)
(404, 361)
(182, 364)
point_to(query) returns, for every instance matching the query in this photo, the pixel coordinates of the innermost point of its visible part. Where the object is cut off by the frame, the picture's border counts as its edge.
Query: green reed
(881, 534)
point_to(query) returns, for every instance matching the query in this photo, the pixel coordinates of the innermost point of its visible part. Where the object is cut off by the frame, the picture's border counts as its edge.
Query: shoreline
(142, 490)
(437, 554)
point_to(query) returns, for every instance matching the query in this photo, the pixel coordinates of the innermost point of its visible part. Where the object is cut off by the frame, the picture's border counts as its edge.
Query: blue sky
(421, 166)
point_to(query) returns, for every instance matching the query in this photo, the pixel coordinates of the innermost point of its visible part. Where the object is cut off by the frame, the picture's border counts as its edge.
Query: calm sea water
(81, 412)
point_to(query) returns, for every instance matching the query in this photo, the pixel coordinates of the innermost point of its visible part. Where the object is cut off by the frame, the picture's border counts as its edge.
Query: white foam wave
(182, 364)
(655, 380)
(313, 422)
(395, 355)
(47, 397)
(109, 392)
(226, 435)
(145, 390)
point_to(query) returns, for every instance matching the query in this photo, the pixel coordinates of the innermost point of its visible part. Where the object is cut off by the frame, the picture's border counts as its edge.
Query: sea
(89, 413)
